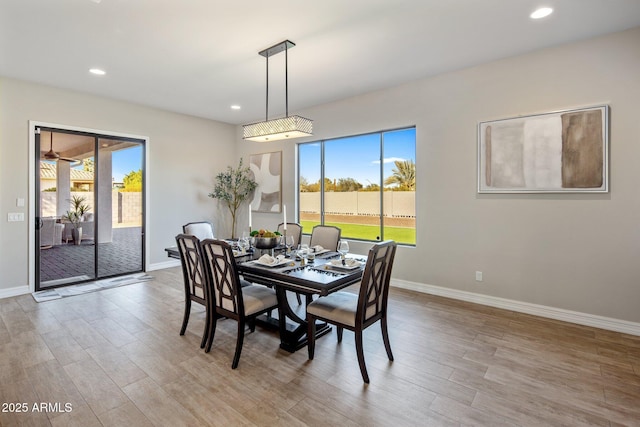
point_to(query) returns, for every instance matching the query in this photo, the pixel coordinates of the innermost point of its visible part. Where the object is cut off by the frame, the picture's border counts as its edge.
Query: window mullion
(381, 186)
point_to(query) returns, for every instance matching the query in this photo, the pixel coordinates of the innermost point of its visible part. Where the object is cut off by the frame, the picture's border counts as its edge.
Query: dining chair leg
(298, 298)
(339, 330)
(240, 340)
(311, 335)
(207, 325)
(252, 323)
(360, 352)
(385, 337)
(187, 311)
(212, 331)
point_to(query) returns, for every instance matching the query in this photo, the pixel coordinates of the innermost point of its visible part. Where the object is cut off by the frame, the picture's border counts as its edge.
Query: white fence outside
(397, 204)
(126, 206)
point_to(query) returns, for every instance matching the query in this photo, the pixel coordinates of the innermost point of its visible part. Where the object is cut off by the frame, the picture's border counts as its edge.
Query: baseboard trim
(165, 264)
(579, 318)
(13, 292)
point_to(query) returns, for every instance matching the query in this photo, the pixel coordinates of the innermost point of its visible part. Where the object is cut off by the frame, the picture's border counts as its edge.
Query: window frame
(381, 134)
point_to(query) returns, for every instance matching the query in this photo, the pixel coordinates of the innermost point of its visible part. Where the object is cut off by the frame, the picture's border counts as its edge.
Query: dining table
(321, 276)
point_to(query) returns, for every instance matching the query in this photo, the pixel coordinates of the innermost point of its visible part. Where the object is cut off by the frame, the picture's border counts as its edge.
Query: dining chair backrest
(225, 281)
(201, 229)
(326, 236)
(374, 286)
(195, 279)
(293, 229)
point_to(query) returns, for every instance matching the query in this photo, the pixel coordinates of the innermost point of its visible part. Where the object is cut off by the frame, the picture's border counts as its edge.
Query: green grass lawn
(403, 235)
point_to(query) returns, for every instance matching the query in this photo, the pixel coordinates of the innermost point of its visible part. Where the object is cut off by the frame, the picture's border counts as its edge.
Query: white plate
(344, 267)
(324, 251)
(277, 264)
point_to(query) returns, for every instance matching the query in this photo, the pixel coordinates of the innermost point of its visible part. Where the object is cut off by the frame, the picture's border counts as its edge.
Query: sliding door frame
(34, 195)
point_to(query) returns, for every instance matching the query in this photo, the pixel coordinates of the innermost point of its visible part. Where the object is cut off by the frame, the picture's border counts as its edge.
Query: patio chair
(228, 298)
(347, 310)
(50, 233)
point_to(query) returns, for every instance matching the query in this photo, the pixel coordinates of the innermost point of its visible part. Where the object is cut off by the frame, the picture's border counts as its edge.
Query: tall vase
(77, 235)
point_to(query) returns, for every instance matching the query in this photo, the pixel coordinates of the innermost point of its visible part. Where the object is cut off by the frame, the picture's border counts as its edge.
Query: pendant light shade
(287, 127)
(273, 130)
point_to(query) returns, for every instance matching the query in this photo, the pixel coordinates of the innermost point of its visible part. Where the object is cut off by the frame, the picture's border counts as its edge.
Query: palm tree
(404, 175)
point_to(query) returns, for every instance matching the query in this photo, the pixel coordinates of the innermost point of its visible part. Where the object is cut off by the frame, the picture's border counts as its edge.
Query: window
(364, 184)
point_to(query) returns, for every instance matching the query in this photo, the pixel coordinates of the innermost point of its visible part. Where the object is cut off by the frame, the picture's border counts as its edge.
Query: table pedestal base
(292, 328)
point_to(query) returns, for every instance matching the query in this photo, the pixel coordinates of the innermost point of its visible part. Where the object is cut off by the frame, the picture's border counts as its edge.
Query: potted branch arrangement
(75, 216)
(233, 187)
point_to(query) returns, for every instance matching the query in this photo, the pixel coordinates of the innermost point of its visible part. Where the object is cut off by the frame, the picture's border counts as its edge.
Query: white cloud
(389, 160)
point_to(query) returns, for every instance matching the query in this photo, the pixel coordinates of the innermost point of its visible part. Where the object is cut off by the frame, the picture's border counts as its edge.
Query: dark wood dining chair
(293, 229)
(326, 236)
(228, 298)
(201, 229)
(195, 280)
(347, 310)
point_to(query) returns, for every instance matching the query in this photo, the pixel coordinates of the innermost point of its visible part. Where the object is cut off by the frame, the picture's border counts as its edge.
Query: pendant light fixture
(287, 127)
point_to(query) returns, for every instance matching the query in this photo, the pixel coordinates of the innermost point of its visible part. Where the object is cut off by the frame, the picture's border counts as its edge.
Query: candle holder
(286, 247)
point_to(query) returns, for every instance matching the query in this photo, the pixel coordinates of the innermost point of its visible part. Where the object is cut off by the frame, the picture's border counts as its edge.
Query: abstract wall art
(562, 151)
(267, 171)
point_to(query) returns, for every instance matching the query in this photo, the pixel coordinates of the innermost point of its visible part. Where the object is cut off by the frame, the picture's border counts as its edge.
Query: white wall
(575, 252)
(185, 153)
(572, 251)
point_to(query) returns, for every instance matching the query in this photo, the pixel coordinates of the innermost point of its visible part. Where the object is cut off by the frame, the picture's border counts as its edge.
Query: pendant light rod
(269, 52)
(266, 118)
(286, 81)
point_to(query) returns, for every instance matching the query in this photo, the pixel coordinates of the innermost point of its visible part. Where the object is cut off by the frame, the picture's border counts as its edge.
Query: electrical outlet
(478, 276)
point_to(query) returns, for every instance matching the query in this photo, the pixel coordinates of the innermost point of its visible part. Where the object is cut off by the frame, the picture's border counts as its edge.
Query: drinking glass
(289, 244)
(243, 242)
(343, 248)
(304, 251)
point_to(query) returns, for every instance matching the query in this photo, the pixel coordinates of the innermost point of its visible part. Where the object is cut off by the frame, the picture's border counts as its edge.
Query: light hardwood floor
(116, 357)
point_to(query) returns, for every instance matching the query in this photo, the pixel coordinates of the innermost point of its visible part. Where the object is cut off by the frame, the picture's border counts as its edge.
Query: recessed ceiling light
(541, 13)
(97, 71)
(235, 107)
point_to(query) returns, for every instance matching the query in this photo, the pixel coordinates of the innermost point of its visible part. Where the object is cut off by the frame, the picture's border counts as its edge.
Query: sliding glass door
(121, 208)
(90, 209)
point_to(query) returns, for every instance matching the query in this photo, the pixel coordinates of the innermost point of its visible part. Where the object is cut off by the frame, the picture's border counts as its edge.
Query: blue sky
(357, 157)
(125, 161)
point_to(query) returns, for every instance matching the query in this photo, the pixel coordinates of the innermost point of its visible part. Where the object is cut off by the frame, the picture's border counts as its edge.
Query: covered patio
(68, 262)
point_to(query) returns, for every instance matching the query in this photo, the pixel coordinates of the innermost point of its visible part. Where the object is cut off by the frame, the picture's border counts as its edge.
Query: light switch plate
(15, 216)
(20, 202)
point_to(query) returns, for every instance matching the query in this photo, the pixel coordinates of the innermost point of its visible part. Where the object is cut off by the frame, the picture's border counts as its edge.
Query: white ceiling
(199, 57)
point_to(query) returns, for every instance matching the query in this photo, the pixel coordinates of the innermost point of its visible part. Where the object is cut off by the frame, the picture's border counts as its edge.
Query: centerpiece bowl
(266, 242)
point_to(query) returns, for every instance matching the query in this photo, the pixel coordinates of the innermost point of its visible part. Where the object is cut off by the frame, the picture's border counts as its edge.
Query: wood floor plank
(81, 416)
(117, 357)
(100, 392)
(467, 415)
(125, 415)
(116, 364)
(208, 409)
(157, 405)
(22, 393)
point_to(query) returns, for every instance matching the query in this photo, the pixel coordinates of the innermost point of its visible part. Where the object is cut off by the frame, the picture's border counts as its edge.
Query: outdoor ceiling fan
(52, 155)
